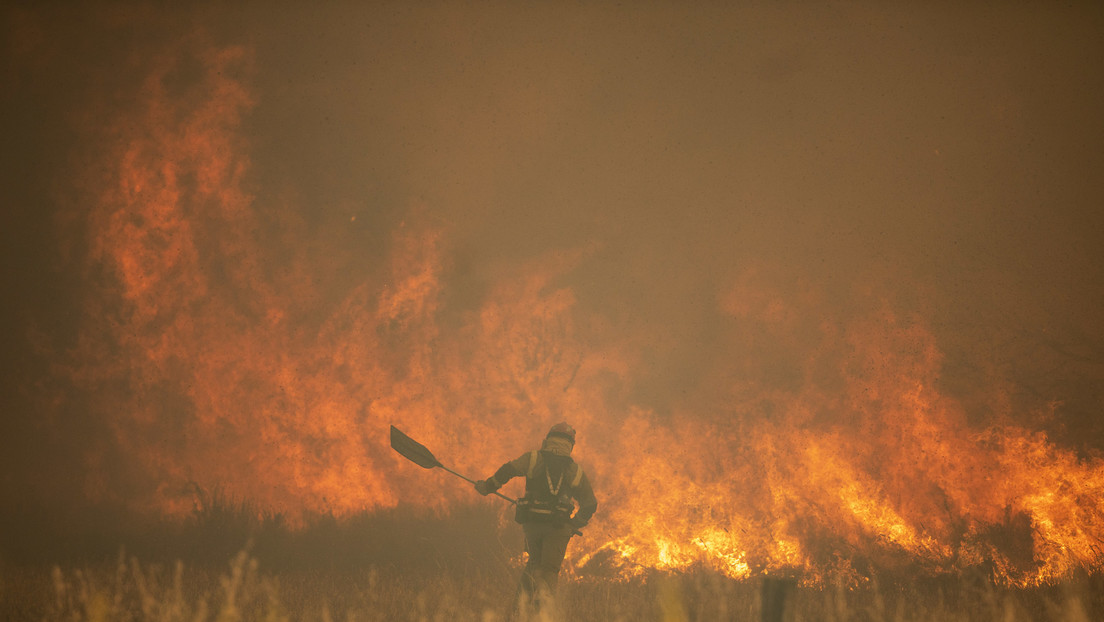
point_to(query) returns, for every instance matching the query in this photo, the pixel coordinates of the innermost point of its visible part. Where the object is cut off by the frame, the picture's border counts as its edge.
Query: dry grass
(131, 590)
(401, 567)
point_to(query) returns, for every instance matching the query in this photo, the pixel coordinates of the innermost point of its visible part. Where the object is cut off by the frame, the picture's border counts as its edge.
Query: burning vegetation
(229, 337)
(213, 346)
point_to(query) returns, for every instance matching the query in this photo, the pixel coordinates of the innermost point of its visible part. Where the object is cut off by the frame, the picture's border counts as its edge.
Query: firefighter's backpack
(552, 504)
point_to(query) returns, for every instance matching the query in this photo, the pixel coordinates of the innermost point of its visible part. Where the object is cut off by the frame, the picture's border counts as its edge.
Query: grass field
(226, 565)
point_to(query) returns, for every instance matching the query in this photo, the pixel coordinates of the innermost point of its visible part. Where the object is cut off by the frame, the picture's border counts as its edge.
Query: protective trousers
(546, 545)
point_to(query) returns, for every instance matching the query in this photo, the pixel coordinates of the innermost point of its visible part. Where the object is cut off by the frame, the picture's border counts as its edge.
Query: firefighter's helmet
(563, 430)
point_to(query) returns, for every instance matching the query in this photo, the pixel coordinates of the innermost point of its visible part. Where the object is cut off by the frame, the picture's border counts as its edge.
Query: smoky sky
(949, 154)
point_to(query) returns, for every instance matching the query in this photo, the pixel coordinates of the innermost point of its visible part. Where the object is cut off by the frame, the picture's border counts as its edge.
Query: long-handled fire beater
(423, 457)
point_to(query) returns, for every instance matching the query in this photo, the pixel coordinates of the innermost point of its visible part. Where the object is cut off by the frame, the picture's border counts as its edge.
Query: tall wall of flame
(245, 338)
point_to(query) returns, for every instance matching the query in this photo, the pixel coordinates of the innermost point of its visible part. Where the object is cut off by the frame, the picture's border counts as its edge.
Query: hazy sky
(946, 155)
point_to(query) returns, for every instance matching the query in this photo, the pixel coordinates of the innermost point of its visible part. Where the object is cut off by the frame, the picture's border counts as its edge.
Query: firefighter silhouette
(554, 483)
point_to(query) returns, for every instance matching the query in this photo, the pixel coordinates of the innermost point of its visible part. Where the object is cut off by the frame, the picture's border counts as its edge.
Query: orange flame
(213, 348)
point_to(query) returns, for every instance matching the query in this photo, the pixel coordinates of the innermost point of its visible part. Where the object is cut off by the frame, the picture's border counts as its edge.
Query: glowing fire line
(214, 362)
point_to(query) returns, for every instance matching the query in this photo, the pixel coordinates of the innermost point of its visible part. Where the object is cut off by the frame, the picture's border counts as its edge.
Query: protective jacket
(552, 482)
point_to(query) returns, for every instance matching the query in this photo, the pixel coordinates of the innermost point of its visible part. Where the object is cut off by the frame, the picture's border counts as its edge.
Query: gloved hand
(483, 488)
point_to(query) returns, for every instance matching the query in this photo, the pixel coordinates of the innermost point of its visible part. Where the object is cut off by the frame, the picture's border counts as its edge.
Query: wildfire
(213, 347)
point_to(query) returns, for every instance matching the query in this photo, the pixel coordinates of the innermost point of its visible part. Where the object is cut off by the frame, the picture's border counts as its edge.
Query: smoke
(243, 241)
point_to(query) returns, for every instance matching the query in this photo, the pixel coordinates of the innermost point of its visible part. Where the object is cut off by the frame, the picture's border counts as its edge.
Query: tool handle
(467, 479)
(510, 499)
(472, 481)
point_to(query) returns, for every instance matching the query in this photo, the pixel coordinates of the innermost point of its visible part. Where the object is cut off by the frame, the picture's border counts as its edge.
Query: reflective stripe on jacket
(543, 471)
